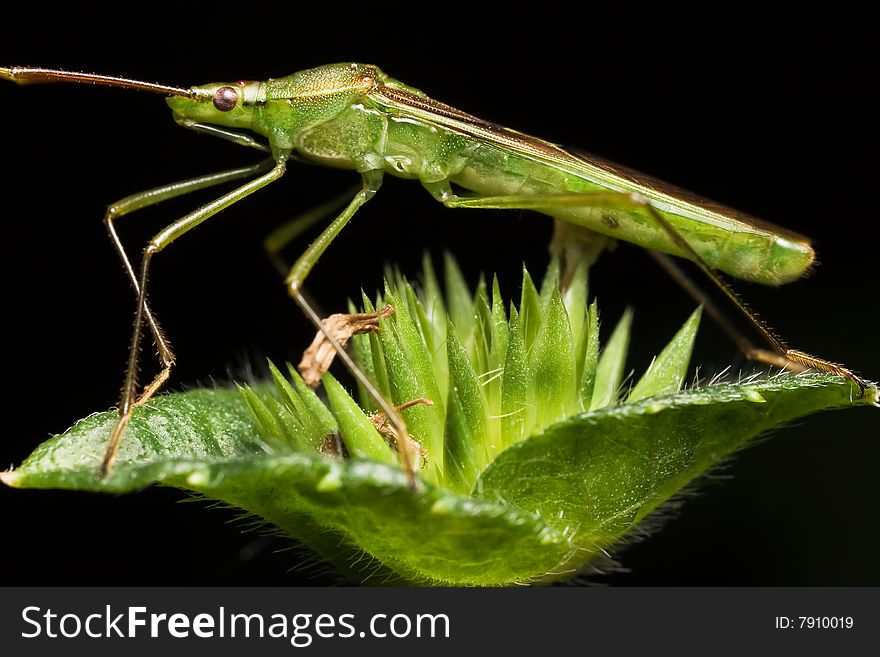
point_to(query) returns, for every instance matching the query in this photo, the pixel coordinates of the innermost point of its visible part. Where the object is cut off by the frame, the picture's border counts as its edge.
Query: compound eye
(225, 98)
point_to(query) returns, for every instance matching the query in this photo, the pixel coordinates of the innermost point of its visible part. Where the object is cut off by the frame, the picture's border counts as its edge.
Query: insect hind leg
(784, 355)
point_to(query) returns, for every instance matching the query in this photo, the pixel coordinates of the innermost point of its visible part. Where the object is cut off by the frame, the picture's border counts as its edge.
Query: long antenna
(27, 75)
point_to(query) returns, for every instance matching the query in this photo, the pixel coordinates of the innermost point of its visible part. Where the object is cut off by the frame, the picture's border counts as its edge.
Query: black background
(771, 118)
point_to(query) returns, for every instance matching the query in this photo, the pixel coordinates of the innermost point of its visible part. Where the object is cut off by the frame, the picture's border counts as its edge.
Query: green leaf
(498, 503)
(609, 370)
(377, 354)
(416, 311)
(304, 404)
(207, 425)
(590, 357)
(427, 420)
(357, 432)
(206, 441)
(550, 282)
(515, 385)
(543, 508)
(466, 452)
(435, 313)
(529, 310)
(459, 302)
(666, 373)
(575, 298)
(362, 352)
(499, 331)
(407, 383)
(493, 379)
(436, 307)
(482, 336)
(594, 476)
(279, 428)
(552, 369)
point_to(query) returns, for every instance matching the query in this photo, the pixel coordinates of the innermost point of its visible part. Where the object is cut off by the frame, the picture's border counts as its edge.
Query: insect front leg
(159, 242)
(784, 355)
(239, 138)
(146, 199)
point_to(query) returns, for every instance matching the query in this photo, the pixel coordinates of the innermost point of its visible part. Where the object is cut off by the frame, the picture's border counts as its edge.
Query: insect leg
(145, 199)
(624, 201)
(298, 273)
(801, 359)
(235, 137)
(154, 246)
(745, 345)
(278, 239)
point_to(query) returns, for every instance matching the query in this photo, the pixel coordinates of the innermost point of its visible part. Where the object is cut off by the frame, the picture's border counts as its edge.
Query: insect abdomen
(753, 252)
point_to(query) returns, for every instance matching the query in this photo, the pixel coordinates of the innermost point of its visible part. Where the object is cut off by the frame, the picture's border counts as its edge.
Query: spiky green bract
(466, 431)
(534, 464)
(359, 435)
(666, 373)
